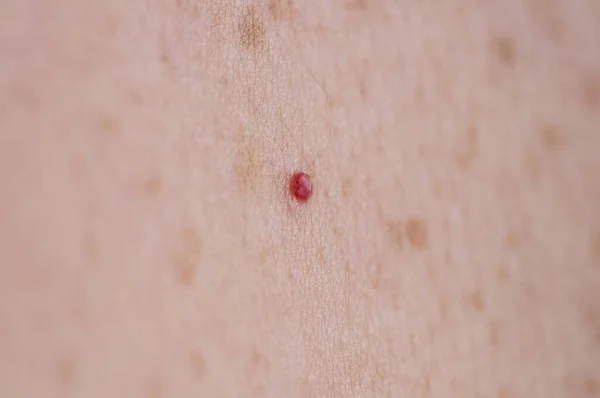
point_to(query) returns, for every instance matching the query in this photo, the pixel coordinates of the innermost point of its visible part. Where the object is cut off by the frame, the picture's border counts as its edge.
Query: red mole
(301, 186)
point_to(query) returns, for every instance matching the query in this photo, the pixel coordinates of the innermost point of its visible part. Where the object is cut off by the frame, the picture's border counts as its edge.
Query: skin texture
(149, 246)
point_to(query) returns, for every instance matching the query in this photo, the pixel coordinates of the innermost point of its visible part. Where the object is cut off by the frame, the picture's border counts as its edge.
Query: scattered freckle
(466, 156)
(416, 231)
(591, 387)
(67, 369)
(504, 49)
(281, 9)
(477, 300)
(108, 124)
(301, 186)
(346, 187)
(551, 136)
(427, 382)
(258, 360)
(136, 98)
(252, 30)
(494, 332)
(197, 364)
(153, 186)
(595, 246)
(502, 393)
(395, 230)
(90, 247)
(187, 258)
(590, 91)
(532, 166)
(443, 308)
(155, 388)
(502, 274)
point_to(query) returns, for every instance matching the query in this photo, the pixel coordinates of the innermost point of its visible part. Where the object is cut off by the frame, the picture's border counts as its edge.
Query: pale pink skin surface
(149, 246)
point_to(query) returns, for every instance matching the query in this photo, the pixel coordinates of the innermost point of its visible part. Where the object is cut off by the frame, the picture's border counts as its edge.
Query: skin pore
(150, 247)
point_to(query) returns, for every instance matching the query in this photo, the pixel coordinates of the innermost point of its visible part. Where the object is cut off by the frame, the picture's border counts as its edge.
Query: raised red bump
(301, 186)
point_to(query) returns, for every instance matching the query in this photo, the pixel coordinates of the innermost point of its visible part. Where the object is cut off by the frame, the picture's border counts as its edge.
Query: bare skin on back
(150, 246)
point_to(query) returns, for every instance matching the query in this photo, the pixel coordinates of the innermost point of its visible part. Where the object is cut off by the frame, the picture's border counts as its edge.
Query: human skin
(149, 246)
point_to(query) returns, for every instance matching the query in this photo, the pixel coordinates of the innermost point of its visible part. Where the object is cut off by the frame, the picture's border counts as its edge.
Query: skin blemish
(301, 186)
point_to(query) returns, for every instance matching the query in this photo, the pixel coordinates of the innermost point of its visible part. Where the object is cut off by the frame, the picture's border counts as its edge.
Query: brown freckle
(346, 187)
(67, 371)
(155, 388)
(591, 387)
(136, 98)
(532, 166)
(186, 259)
(197, 364)
(416, 231)
(427, 382)
(282, 9)
(590, 91)
(252, 30)
(477, 300)
(111, 24)
(466, 155)
(248, 163)
(153, 186)
(494, 334)
(357, 5)
(396, 233)
(595, 247)
(90, 247)
(376, 280)
(516, 238)
(502, 274)
(443, 308)
(502, 392)
(108, 124)
(504, 49)
(264, 255)
(551, 136)
(258, 361)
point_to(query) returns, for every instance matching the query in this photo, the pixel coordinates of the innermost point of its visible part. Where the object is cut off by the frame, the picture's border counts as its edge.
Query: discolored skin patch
(107, 125)
(197, 364)
(282, 10)
(590, 91)
(477, 300)
(153, 186)
(595, 247)
(396, 233)
(466, 155)
(551, 137)
(494, 334)
(251, 30)
(248, 162)
(504, 50)
(417, 233)
(186, 259)
(67, 371)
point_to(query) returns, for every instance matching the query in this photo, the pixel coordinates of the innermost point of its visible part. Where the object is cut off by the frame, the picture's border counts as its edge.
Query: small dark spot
(502, 274)
(494, 334)
(108, 124)
(258, 361)
(516, 238)
(376, 279)
(504, 49)
(187, 258)
(362, 89)
(136, 98)
(252, 30)
(90, 247)
(477, 300)
(590, 92)
(395, 231)
(427, 382)
(67, 371)
(153, 186)
(346, 187)
(357, 5)
(197, 364)
(155, 388)
(466, 155)
(416, 231)
(551, 136)
(282, 9)
(111, 23)
(595, 247)
(443, 308)
(531, 162)
(502, 393)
